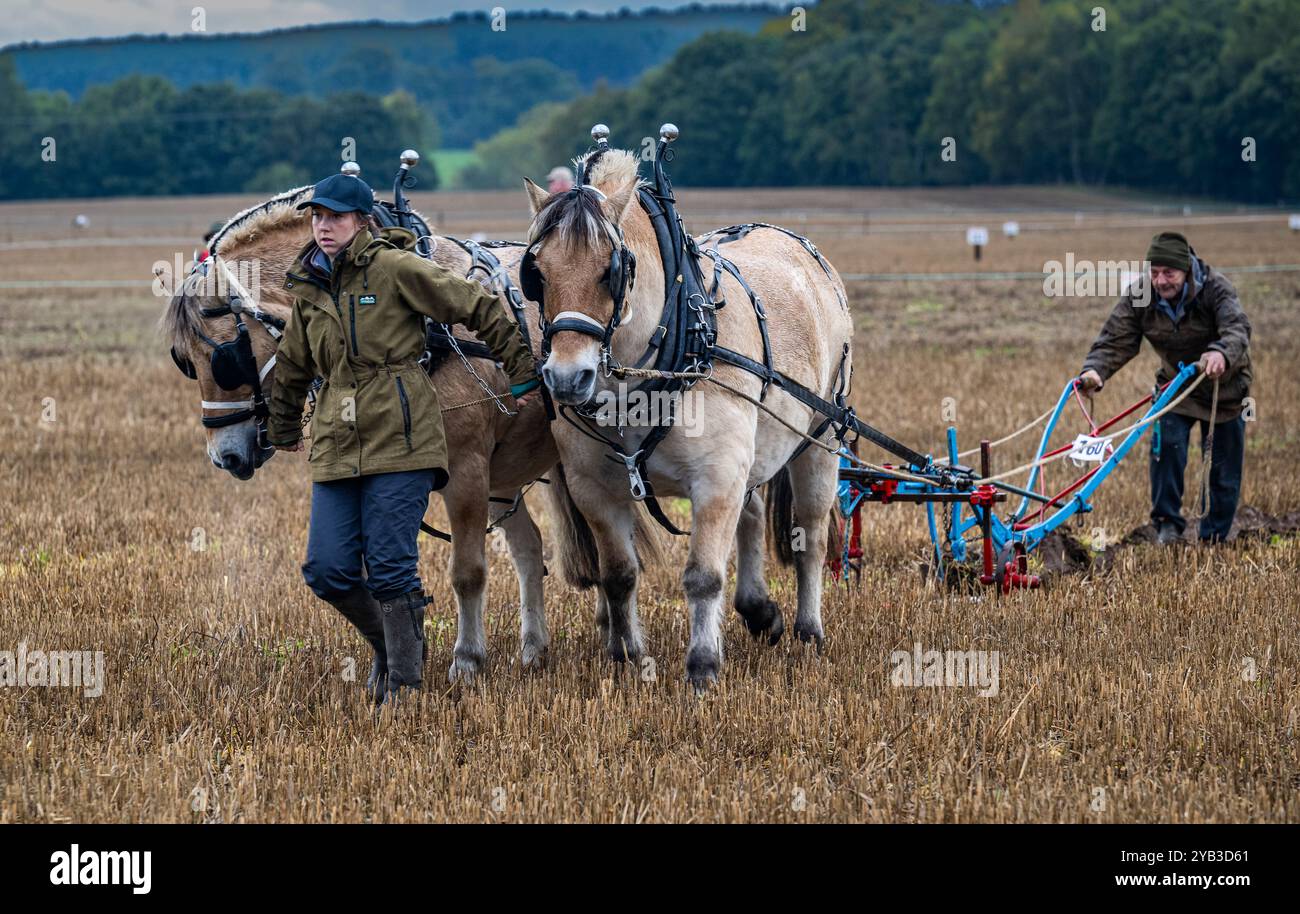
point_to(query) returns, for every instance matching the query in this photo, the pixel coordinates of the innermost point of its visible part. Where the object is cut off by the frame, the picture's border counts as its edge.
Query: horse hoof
(533, 655)
(702, 670)
(807, 634)
(622, 650)
(464, 668)
(763, 619)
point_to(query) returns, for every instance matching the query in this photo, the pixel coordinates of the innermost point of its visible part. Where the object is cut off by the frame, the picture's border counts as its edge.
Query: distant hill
(473, 80)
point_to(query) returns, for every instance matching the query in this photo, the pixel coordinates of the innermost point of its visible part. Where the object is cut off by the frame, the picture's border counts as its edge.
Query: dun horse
(734, 449)
(491, 454)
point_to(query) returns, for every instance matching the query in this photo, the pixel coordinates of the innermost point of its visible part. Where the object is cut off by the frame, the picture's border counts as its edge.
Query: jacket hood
(365, 246)
(1196, 277)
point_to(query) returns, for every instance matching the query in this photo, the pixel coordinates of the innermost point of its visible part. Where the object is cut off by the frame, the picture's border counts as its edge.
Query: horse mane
(578, 218)
(181, 320)
(244, 226)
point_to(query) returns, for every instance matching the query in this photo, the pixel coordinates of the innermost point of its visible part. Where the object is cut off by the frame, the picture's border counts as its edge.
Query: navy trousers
(1169, 445)
(369, 521)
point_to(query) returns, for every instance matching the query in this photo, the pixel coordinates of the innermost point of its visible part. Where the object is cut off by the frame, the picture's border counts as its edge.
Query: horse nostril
(237, 466)
(546, 377)
(584, 379)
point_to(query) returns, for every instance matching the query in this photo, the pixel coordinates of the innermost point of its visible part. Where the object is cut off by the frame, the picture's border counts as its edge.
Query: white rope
(1017, 433)
(895, 473)
(1124, 431)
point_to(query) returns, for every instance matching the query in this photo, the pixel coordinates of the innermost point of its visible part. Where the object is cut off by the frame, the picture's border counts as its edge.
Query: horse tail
(574, 540)
(649, 539)
(780, 520)
(576, 544)
(780, 516)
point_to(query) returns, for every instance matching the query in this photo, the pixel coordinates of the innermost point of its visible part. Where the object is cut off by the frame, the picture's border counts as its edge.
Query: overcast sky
(54, 20)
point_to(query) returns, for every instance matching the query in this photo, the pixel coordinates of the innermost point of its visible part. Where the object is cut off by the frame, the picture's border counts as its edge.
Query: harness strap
(440, 337)
(578, 322)
(657, 512)
(512, 502)
(434, 531)
(841, 415)
(635, 464)
(815, 436)
(719, 264)
(736, 232)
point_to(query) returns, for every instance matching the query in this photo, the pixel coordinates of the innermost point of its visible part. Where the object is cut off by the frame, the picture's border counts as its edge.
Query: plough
(961, 517)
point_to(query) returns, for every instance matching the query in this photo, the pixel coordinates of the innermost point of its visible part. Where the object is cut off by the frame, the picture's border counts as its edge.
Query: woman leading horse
(378, 446)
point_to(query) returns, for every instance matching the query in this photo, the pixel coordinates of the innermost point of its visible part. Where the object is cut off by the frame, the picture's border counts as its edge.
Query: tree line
(1197, 97)
(474, 74)
(141, 135)
(1186, 96)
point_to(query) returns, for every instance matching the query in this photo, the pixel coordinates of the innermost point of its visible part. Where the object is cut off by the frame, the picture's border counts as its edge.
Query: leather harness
(685, 341)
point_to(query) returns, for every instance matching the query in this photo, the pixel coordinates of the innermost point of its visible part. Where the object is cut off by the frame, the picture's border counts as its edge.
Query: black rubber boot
(404, 637)
(1168, 534)
(362, 610)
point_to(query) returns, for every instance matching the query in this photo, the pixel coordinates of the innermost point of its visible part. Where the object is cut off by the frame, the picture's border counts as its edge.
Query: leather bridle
(618, 279)
(234, 365)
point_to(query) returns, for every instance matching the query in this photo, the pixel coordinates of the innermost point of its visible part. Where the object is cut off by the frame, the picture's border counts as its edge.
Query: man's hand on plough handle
(1212, 363)
(1090, 381)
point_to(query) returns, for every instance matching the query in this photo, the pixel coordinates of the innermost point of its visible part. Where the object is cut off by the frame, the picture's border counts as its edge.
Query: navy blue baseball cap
(342, 194)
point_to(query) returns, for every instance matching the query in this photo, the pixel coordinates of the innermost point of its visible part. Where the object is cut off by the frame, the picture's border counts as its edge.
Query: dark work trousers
(373, 520)
(1169, 445)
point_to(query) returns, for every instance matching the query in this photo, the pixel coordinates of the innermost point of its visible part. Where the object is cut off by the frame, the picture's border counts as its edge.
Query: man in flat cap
(1189, 313)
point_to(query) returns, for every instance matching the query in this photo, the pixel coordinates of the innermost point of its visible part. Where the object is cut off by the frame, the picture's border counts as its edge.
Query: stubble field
(1161, 689)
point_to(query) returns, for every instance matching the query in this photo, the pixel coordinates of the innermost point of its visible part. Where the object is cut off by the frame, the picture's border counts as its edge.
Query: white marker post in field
(977, 236)
(1294, 222)
(1011, 229)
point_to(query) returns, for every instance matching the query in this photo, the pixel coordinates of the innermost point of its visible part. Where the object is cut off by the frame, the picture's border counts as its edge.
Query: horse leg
(619, 572)
(467, 506)
(525, 542)
(761, 614)
(813, 480)
(713, 524)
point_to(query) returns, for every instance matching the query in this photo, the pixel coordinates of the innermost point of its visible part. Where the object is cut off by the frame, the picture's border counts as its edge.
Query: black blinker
(185, 365)
(227, 366)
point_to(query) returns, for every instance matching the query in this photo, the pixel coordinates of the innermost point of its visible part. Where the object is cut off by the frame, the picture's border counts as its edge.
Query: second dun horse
(491, 454)
(600, 317)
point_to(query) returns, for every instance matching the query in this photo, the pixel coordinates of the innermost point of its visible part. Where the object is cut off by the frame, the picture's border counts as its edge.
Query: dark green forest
(470, 78)
(143, 136)
(1195, 97)
(1200, 97)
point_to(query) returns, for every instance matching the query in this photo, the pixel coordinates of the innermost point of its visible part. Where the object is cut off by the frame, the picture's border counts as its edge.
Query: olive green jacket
(361, 328)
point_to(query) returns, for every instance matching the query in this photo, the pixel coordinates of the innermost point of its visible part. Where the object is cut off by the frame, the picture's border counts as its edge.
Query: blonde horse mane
(271, 230)
(580, 219)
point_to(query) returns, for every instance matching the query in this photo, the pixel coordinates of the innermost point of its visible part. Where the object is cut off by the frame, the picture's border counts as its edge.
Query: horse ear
(536, 196)
(615, 204)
